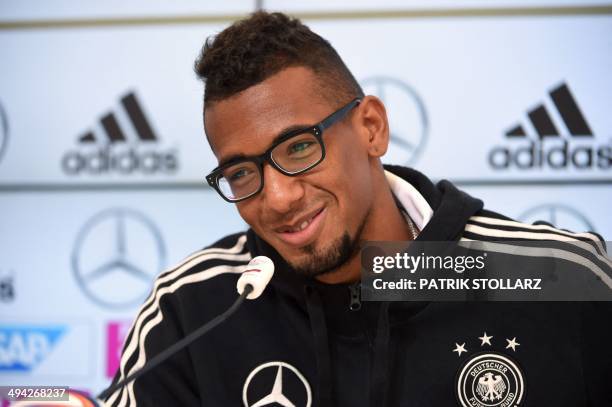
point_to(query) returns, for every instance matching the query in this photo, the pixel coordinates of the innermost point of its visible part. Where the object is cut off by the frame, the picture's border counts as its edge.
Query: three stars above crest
(486, 340)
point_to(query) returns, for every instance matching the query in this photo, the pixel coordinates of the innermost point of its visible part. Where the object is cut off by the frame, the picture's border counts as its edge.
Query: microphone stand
(165, 354)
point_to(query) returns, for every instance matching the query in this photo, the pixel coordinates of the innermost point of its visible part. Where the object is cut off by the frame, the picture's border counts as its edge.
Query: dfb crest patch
(490, 379)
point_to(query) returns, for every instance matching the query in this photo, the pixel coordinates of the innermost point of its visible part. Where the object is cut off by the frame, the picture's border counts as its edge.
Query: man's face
(314, 219)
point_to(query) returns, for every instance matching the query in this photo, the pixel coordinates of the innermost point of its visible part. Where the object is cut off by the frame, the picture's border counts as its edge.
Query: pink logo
(116, 332)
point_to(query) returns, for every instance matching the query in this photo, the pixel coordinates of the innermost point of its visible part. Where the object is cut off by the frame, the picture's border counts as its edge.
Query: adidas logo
(122, 150)
(549, 148)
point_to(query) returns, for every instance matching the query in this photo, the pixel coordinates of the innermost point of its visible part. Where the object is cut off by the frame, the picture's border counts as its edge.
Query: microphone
(257, 274)
(251, 284)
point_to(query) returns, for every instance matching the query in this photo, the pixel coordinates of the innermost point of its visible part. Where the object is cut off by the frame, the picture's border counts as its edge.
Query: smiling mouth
(303, 232)
(302, 225)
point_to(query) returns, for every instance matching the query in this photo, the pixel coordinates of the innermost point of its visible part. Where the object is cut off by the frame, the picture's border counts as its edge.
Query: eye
(239, 173)
(300, 147)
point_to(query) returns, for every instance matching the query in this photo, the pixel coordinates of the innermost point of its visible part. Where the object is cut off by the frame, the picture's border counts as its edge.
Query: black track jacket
(300, 344)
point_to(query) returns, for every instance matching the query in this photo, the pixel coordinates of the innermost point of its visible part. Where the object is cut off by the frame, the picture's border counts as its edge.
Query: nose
(281, 193)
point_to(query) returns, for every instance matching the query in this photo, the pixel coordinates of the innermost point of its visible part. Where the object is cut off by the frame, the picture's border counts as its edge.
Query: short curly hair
(251, 50)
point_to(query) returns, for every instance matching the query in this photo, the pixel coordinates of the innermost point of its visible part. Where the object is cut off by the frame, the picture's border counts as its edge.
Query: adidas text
(120, 160)
(539, 154)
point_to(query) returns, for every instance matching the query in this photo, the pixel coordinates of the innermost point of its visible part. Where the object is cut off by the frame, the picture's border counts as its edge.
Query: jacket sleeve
(597, 352)
(156, 327)
(596, 338)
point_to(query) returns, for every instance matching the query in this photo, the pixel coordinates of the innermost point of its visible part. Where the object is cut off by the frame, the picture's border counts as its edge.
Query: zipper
(355, 292)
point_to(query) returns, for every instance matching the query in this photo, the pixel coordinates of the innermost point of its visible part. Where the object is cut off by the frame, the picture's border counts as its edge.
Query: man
(299, 147)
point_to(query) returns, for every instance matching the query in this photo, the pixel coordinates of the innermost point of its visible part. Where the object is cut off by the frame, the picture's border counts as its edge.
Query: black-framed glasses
(292, 154)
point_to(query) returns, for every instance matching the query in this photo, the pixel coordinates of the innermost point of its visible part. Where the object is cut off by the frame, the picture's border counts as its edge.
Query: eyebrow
(239, 157)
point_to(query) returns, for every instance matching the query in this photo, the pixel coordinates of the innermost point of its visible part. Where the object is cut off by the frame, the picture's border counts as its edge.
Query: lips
(303, 230)
(300, 224)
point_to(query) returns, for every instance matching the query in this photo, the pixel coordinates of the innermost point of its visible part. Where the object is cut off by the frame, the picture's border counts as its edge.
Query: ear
(375, 125)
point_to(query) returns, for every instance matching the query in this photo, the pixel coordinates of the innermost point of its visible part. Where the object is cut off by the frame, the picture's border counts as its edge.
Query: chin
(316, 261)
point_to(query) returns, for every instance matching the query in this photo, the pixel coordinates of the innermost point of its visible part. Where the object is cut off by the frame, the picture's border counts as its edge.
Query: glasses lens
(298, 153)
(240, 180)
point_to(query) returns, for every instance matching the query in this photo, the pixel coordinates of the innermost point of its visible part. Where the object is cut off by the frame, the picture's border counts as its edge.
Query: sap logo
(22, 348)
(125, 150)
(552, 148)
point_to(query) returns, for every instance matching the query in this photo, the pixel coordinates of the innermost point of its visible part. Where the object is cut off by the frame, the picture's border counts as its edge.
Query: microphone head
(257, 273)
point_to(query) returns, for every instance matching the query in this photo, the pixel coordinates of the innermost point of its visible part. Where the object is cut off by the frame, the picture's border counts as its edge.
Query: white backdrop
(86, 223)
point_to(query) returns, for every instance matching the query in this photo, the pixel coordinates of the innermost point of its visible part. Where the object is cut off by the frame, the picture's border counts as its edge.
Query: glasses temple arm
(332, 118)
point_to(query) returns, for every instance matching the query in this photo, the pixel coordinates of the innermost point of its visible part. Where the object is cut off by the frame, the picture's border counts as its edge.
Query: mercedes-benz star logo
(116, 255)
(408, 122)
(559, 215)
(4, 131)
(289, 388)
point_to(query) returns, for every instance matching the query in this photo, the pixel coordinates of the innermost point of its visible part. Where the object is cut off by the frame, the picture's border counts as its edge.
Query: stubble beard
(338, 253)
